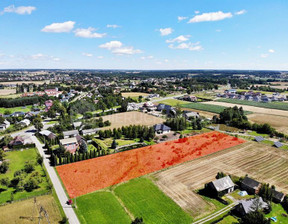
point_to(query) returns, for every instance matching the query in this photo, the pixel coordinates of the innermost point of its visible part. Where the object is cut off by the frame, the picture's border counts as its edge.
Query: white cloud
(41, 56)
(271, 51)
(241, 12)
(114, 26)
(165, 31)
(126, 50)
(180, 18)
(189, 46)
(147, 57)
(116, 47)
(100, 57)
(179, 39)
(264, 55)
(112, 44)
(87, 54)
(88, 33)
(21, 10)
(59, 27)
(211, 16)
(218, 30)
(196, 12)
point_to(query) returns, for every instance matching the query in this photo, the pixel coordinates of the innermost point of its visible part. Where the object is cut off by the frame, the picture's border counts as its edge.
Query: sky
(144, 34)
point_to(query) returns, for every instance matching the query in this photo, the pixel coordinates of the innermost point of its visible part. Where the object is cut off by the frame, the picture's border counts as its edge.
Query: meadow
(15, 109)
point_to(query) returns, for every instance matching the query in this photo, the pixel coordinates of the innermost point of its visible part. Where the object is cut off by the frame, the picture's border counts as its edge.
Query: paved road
(68, 210)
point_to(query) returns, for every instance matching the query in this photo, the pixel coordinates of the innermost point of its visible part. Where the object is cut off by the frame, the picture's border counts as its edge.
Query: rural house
(90, 131)
(166, 108)
(70, 144)
(190, 114)
(250, 185)
(161, 129)
(70, 134)
(246, 206)
(221, 186)
(4, 125)
(24, 122)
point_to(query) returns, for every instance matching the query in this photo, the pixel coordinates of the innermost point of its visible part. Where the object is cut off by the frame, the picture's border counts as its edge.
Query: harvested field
(250, 108)
(94, 174)
(134, 94)
(131, 118)
(10, 213)
(280, 123)
(5, 92)
(264, 163)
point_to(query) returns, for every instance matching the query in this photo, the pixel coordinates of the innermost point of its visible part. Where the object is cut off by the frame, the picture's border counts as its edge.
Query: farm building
(70, 134)
(70, 144)
(278, 144)
(250, 185)
(259, 139)
(190, 114)
(278, 197)
(246, 206)
(221, 186)
(90, 131)
(161, 129)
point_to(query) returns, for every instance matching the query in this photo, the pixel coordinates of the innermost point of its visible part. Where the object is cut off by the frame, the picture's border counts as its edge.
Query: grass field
(101, 207)
(10, 213)
(134, 95)
(120, 142)
(262, 162)
(277, 210)
(17, 161)
(15, 109)
(131, 118)
(143, 199)
(173, 102)
(271, 105)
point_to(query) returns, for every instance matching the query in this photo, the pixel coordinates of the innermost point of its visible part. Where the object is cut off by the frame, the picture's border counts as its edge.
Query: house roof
(259, 138)
(77, 124)
(192, 114)
(223, 183)
(72, 132)
(66, 141)
(278, 144)
(250, 182)
(90, 130)
(161, 127)
(278, 195)
(250, 205)
(45, 132)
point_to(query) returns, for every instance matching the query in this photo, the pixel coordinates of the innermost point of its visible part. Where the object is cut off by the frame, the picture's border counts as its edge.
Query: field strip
(123, 206)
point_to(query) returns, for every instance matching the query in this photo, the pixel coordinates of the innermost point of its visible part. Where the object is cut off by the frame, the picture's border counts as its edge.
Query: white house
(4, 125)
(25, 122)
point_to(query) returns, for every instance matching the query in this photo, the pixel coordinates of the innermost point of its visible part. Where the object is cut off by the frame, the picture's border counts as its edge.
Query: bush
(29, 167)
(4, 167)
(31, 184)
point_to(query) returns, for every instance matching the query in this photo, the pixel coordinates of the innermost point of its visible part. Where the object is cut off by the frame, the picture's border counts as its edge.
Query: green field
(173, 102)
(143, 199)
(271, 105)
(277, 210)
(100, 207)
(205, 107)
(17, 161)
(15, 109)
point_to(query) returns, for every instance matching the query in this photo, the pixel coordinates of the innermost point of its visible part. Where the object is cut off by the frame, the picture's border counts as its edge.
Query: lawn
(271, 105)
(254, 133)
(208, 107)
(144, 199)
(173, 102)
(101, 207)
(120, 142)
(15, 109)
(228, 220)
(277, 210)
(17, 161)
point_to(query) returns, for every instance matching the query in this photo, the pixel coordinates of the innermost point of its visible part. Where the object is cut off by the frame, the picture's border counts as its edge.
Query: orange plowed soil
(94, 174)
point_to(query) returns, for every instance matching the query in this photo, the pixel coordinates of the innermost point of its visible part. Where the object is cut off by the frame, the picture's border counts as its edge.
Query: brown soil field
(134, 94)
(10, 213)
(252, 109)
(264, 163)
(7, 91)
(131, 118)
(280, 123)
(26, 82)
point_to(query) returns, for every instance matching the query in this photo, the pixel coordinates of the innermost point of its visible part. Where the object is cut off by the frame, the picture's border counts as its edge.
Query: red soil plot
(94, 174)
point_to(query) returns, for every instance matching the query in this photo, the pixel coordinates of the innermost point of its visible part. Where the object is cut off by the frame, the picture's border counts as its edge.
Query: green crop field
(271, 105)
(208, 107)
(15, 109)
(143, 199)
(100, 207)
(17, 160)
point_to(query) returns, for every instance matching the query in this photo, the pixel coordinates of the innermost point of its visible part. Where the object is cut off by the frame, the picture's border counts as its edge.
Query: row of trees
(130, 132)
(20, 101)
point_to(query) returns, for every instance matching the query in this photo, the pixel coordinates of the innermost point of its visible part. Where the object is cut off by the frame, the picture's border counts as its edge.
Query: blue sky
(144, 34)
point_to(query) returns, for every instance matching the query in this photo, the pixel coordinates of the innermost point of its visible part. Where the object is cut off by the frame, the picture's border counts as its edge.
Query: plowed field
(90, 175)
